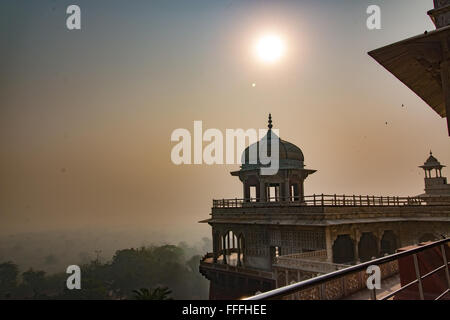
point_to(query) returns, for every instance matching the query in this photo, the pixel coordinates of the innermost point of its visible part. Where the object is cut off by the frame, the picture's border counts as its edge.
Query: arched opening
(274, 192)
(367, 247)
(253, 194)
(251, 189)
(343, 250)
(427, 237)
(388, 243)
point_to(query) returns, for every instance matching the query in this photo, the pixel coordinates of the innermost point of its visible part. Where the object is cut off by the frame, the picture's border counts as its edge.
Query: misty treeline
(153, 272)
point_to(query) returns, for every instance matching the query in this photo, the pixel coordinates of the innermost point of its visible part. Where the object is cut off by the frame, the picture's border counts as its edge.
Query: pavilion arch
(230, 241)
(252, 189)
(343, 250)
(224, 246)
(232, 249)
(427, 237)
(389, 243)
(368, 247)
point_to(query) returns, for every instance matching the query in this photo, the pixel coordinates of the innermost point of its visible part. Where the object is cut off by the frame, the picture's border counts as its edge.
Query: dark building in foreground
(275, 235)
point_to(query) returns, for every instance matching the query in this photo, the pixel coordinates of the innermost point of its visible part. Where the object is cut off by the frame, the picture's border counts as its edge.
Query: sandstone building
(274, 234)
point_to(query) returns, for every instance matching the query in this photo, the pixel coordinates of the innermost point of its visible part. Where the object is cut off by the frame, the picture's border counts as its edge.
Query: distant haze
(86, 116)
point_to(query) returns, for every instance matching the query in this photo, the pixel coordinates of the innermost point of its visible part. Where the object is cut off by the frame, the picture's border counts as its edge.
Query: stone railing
(322, 200)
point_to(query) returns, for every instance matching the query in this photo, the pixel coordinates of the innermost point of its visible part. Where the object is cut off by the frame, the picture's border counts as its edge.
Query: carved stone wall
(297, 241)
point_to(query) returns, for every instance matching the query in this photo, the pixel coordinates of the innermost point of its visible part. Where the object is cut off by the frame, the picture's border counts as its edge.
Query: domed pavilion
(286, 185)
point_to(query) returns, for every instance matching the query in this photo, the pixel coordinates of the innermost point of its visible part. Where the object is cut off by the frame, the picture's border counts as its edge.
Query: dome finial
(431, 153)
(270, 122)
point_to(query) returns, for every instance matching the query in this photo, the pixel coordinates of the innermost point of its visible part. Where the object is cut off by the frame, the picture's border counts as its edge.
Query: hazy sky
(86, 116)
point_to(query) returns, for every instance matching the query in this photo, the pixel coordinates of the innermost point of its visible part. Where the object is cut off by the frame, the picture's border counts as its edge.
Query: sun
(270, 48)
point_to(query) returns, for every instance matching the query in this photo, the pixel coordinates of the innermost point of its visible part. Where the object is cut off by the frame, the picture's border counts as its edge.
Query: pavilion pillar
(224, 250)
(287, 276)
(329, 245)
(356, 237)
(239, 252)
(287, 190)
(229, 243)
(301, 193)
(262, 191)
(246, 191)
(356, 250)
(258, 192)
